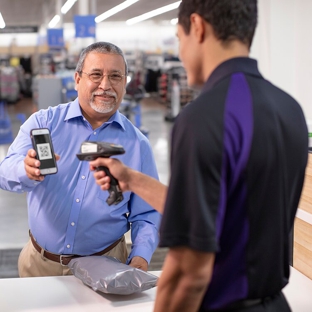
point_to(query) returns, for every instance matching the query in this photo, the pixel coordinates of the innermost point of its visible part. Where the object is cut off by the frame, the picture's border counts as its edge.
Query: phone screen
(43, 145)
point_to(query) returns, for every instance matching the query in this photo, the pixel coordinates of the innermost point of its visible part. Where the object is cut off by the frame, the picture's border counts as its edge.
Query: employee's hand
(139, 263)
(31, 165)
(148, 188)
(117, 169)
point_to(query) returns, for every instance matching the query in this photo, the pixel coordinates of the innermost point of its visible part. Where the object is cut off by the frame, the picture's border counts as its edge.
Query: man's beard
(104, 108)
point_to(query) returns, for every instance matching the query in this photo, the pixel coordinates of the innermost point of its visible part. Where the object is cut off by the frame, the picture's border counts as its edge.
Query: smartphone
(42, 144)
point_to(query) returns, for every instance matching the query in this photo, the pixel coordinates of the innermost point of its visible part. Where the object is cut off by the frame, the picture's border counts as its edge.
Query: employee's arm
(184, 280)
(148, 188)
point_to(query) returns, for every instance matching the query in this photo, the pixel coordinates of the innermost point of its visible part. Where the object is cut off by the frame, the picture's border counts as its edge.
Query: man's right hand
(31, 164)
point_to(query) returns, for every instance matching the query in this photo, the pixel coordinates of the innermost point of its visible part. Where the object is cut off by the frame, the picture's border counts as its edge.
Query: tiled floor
(13, 208)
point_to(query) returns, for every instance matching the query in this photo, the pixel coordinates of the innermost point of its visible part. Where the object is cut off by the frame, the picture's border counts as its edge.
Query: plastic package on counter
(108, 275)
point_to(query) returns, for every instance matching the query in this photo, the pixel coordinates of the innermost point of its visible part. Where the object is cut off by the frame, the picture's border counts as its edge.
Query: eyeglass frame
(102, 77)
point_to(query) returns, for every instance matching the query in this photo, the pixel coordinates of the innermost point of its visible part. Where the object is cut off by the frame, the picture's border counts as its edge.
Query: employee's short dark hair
(100, 47)
(230, 19)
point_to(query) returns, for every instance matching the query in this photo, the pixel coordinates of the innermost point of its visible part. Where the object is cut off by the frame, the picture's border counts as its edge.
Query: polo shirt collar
(238, 64)
(74, 111)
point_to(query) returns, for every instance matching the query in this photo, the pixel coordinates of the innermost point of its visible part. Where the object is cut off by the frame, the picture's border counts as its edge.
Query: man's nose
(105, 83)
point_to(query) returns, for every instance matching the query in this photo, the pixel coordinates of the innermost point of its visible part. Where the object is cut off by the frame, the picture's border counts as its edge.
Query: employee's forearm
(182, 284)
(149, 189)
(185, 277)
(184, 297)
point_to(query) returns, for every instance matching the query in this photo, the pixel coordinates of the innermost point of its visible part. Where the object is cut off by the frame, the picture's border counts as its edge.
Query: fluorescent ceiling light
(54, 21)
(153, 13)
(67, 5)
(2, 23)
(114, 10)
(174, 21)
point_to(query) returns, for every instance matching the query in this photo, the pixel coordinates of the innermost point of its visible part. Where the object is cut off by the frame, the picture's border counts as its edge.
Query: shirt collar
(237, 64)
(74, 111)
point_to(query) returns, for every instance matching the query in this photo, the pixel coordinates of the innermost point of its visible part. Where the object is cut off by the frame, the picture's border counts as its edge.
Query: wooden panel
(303, 247)
(306, 196)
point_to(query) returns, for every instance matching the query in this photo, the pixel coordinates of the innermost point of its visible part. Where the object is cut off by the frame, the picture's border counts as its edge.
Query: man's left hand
(139, 263)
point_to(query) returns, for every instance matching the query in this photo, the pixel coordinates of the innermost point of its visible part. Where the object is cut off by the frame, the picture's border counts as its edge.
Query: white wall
(283, 47)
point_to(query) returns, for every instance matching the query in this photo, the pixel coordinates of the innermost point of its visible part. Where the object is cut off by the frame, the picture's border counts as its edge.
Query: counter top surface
(69, 294)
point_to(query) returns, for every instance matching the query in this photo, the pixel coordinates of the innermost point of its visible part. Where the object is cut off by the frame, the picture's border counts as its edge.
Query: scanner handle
(115, 193)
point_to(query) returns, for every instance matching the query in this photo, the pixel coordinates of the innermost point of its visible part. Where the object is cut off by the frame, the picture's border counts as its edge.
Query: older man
(68, 213)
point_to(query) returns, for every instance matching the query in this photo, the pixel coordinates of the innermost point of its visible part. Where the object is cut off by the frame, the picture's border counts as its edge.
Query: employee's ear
(198, 27)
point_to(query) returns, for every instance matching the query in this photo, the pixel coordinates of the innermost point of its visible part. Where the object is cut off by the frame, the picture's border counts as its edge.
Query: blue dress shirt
(67, 212)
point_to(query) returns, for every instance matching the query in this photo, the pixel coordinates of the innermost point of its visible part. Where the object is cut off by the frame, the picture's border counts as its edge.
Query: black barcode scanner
(91, 150)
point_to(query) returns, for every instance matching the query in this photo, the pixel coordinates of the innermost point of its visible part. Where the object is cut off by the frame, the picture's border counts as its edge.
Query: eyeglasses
(114, 78)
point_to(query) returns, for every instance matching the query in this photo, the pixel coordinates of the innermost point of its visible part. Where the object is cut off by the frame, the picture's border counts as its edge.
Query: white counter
(68, 294)
(299, 292)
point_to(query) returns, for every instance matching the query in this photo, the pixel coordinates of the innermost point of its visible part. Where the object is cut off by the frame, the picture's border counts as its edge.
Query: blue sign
(55, 37)
(85, 26)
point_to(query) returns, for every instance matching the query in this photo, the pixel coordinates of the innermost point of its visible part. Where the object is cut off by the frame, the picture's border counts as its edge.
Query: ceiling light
(54, 21)
(2, 23)
(67, 5)
(174, 21)
(114, 10)
(153, 13)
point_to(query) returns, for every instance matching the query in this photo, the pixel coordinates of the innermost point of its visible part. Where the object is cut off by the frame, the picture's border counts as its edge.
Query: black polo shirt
(238, 159)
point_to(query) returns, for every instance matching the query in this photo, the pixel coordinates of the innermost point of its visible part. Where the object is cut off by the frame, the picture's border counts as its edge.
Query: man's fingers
(31, 153)
(32, 166)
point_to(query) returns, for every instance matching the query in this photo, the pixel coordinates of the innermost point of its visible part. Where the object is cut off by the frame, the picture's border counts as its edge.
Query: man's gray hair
(100, 47)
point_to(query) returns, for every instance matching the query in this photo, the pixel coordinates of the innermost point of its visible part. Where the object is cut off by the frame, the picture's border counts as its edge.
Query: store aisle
(13, 208)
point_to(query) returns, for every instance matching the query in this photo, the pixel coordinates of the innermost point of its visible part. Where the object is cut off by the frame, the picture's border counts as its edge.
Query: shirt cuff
(26, 183)
(140, 251)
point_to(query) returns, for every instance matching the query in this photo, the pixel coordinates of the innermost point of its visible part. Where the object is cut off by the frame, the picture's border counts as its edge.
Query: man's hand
(139, 263)
(32, 164)
(117, 169)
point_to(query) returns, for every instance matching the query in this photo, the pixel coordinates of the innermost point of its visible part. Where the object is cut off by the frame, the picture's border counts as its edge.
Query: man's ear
(198, 27)
(77, 79)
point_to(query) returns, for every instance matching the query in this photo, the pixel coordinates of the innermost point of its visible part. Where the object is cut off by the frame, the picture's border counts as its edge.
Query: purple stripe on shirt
(229, 281)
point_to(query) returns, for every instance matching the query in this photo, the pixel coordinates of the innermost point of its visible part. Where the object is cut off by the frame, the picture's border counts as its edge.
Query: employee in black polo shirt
(238, 159)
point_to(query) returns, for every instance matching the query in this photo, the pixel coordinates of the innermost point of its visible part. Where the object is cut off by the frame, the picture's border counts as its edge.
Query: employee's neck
(220, 53)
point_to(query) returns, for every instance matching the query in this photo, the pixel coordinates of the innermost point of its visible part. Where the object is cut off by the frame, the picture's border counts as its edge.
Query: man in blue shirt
(68, 213)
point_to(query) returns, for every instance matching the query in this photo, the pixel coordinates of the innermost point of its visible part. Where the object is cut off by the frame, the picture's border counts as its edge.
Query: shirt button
(94, 133)
(72, 224)
(83, 177)
(68, 246)
(77, 200)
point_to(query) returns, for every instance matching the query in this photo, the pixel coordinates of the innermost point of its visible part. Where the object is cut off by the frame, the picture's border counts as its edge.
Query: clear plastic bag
(108, 275)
